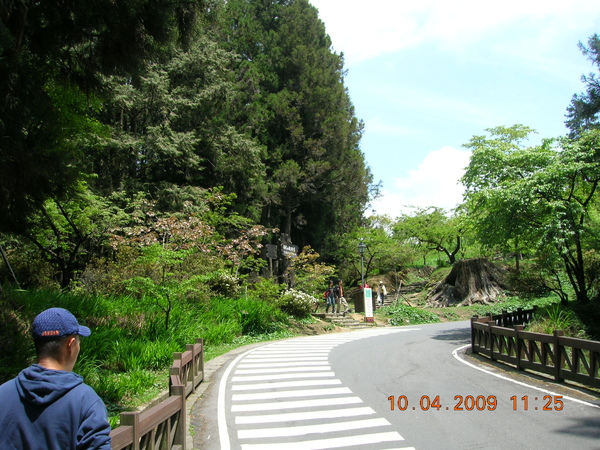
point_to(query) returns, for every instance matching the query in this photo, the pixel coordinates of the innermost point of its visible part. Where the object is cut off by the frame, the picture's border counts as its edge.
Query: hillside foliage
(148, 148)
(153, 154)
(130, 114)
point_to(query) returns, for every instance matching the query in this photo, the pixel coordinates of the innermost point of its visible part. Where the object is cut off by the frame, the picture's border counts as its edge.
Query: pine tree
(299, 109)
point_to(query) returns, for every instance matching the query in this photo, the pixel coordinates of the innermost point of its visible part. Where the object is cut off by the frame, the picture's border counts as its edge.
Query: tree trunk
(5, 259)
(470, 281)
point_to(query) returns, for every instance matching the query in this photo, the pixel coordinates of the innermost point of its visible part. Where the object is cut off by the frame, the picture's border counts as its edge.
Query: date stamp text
(476, 403)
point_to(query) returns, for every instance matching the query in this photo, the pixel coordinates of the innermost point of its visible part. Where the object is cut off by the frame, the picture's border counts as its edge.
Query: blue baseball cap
(55, 323)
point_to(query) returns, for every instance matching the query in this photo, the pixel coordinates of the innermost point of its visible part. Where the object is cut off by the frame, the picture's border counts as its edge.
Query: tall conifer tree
(300, 110)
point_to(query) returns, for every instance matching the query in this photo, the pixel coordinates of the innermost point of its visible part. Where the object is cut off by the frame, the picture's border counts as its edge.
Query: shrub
(222, 333)
(223, 283)
(408, 315)
(17, 350)
(259, 317)
(557, 317)
(144, 355)
(309, 274)
(266, 290)
(529, 284)
(297, 303)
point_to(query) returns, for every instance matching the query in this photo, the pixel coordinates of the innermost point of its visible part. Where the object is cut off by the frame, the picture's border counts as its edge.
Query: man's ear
(71, 342)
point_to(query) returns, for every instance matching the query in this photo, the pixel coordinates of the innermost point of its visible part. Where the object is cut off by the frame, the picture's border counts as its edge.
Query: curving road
(387, 388)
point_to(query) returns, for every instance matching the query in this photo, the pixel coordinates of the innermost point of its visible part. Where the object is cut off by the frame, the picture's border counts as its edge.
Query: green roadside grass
(126, 359)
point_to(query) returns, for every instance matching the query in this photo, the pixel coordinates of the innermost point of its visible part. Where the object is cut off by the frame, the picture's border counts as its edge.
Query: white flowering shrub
(297, 303)
(223, 283)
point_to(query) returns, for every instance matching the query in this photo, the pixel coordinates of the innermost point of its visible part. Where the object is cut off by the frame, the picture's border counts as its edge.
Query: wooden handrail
(563, 358)
(163, 425)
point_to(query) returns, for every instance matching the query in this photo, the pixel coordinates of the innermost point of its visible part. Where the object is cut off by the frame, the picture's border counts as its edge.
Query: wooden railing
(163, 427)
(561, 357)
(509, 319)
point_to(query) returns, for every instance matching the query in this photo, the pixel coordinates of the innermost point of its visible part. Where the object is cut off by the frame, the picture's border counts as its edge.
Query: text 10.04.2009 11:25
(477, 403)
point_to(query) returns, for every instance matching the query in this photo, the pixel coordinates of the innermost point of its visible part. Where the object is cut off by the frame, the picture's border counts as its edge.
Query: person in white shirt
(381, 293)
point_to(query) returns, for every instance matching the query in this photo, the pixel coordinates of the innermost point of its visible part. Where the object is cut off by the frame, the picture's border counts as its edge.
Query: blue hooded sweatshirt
(51, 409)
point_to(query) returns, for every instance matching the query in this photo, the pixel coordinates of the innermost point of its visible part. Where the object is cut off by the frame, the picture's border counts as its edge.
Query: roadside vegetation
(206, 180)
(126, 358)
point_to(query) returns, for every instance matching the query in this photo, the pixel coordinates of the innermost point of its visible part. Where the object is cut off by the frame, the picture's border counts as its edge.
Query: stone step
(343, 320)
(387, 301)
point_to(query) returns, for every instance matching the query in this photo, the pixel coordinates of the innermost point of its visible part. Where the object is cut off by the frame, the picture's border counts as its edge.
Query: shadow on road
(583, 427)
(456, 336)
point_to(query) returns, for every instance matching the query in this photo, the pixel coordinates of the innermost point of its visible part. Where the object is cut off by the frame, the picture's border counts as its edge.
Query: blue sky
(425, 76)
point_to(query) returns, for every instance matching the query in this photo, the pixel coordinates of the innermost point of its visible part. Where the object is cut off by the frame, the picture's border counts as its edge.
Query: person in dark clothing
(48, 406)
(330, 297)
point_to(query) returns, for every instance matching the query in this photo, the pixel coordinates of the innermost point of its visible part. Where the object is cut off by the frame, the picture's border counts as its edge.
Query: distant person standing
(340, 299)
(47, 406)
(331, 300)
(381, 293)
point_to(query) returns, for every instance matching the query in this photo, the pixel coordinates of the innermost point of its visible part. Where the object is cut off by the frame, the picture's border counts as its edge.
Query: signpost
(280, 255)
(271, 251)
(271, 255)
(367, 291)
(368, 297)
(289, 250)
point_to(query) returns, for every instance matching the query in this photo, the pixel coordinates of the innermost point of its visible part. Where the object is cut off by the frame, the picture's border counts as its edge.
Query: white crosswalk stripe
(311, 415)
(285, 395)
(288, 394)
(284, 376)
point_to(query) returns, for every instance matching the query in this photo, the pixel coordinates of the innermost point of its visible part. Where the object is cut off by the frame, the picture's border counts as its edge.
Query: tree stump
(470, 281)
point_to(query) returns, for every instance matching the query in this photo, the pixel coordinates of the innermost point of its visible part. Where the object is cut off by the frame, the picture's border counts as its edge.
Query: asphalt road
(384, 388)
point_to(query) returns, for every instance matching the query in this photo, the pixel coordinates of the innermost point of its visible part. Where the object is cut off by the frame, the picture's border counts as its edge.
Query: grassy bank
(126, 358)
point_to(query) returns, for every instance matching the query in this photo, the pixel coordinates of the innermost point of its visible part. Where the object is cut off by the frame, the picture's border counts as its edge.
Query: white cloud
(433, 183)
(364, 30)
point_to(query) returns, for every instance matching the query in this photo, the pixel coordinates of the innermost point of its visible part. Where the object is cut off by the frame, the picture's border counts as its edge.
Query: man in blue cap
(48, 406)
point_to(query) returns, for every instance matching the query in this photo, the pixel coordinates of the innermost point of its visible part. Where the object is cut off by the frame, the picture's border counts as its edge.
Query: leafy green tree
(172, 127)
(49, 55)
(502, 158)
(311, 275)
(300, 112)
(583, 112)
(542, 199)
(383, 254)
(432, 229)
(68, 234)
(163, 286)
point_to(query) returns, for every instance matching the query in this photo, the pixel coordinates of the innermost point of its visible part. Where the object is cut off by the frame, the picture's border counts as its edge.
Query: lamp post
(361, 250)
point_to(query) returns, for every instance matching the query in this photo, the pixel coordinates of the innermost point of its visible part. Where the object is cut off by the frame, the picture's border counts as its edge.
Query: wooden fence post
(558, 359)
(191, 373)
(132, 419)
(491, 323)
(177, 356)
(180, 431)
(519, 346)
(175, 373)
(201, 369)
(473, 333)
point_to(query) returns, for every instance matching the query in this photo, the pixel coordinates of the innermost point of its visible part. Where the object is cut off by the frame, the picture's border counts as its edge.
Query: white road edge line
(455, 354)
(221, 416)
